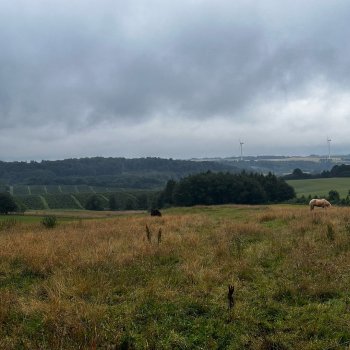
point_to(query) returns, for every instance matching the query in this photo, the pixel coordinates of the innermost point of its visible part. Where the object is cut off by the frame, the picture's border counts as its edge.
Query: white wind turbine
(241, 143)
(329, 148)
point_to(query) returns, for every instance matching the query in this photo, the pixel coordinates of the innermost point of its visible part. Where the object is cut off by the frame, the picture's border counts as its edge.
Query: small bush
(49, 221)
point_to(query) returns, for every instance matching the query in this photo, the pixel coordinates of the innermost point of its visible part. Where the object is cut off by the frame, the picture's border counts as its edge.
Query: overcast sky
(181, 79)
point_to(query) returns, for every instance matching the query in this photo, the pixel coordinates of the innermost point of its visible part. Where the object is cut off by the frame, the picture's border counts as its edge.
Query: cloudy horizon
(185, 80)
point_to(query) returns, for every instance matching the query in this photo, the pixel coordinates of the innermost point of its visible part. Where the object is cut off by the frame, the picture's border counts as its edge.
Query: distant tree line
(337, 171)
(138, 173)
(283, 166)
(221, 188)
(333, 197)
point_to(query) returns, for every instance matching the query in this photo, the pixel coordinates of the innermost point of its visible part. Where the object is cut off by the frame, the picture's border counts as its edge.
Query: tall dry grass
(102, 284)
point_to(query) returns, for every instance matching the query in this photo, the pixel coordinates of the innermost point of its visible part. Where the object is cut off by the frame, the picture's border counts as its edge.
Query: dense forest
(98, 171)
(221, 188)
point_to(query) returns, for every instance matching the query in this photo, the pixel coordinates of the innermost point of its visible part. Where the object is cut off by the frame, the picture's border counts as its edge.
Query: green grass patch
(33, 202)
(321, 187)
(218, 211)
(30, 219)
(21, 218)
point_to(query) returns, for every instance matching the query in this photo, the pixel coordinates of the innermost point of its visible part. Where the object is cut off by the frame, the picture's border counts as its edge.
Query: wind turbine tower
(329, 148)
(241, 144)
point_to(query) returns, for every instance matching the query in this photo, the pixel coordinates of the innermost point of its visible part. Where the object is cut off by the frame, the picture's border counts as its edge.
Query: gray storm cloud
(79, 65)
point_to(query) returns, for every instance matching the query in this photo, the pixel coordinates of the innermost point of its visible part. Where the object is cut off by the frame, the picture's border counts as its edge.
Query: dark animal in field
(155, 212)
(322, 203)
(231, 297)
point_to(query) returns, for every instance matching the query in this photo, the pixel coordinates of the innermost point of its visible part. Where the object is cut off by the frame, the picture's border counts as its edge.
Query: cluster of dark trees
(7, 203)
(284, 166)
(206, 188)
(333, 197)
(298, 174)
(337, 171)
(220, 188)
(144, 200)
(100, 171)
(94, 202)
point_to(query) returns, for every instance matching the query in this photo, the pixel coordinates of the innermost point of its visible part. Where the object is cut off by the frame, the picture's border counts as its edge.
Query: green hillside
(321, 187)
(38, 200)
(139, 173)
(24, 190)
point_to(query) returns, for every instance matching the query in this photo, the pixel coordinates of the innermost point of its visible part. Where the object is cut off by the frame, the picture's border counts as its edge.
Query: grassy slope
(70, 200)
(321, 186)
(101, 284)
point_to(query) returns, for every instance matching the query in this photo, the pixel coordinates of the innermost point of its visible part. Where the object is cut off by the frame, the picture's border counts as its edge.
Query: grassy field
(36, 216)
(101, 284)
(321, 187)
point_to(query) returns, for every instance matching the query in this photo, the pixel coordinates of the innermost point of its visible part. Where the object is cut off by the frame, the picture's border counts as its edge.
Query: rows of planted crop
(33, 202)
(24, 190)
(37, 189)
(122, 200)
(21, 190)
(61, 201)
(68, 189)
(84, 197)
(54, 189)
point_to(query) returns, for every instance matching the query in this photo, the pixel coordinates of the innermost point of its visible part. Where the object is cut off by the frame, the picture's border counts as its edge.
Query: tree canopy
(94, 202)
(342, 170)
(140, 173)
(221, 188)
(7, 203)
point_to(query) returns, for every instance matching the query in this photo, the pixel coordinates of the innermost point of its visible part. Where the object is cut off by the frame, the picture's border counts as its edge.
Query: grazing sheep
(323, 203)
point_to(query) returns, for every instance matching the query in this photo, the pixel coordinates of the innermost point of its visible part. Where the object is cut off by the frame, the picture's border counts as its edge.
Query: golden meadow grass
(100, 284)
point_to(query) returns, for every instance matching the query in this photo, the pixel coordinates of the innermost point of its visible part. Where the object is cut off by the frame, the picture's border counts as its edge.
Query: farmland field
(101, 284)
(33, 202)
(321, 187)
(9, 220)
(36, 197)
(18, 219)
